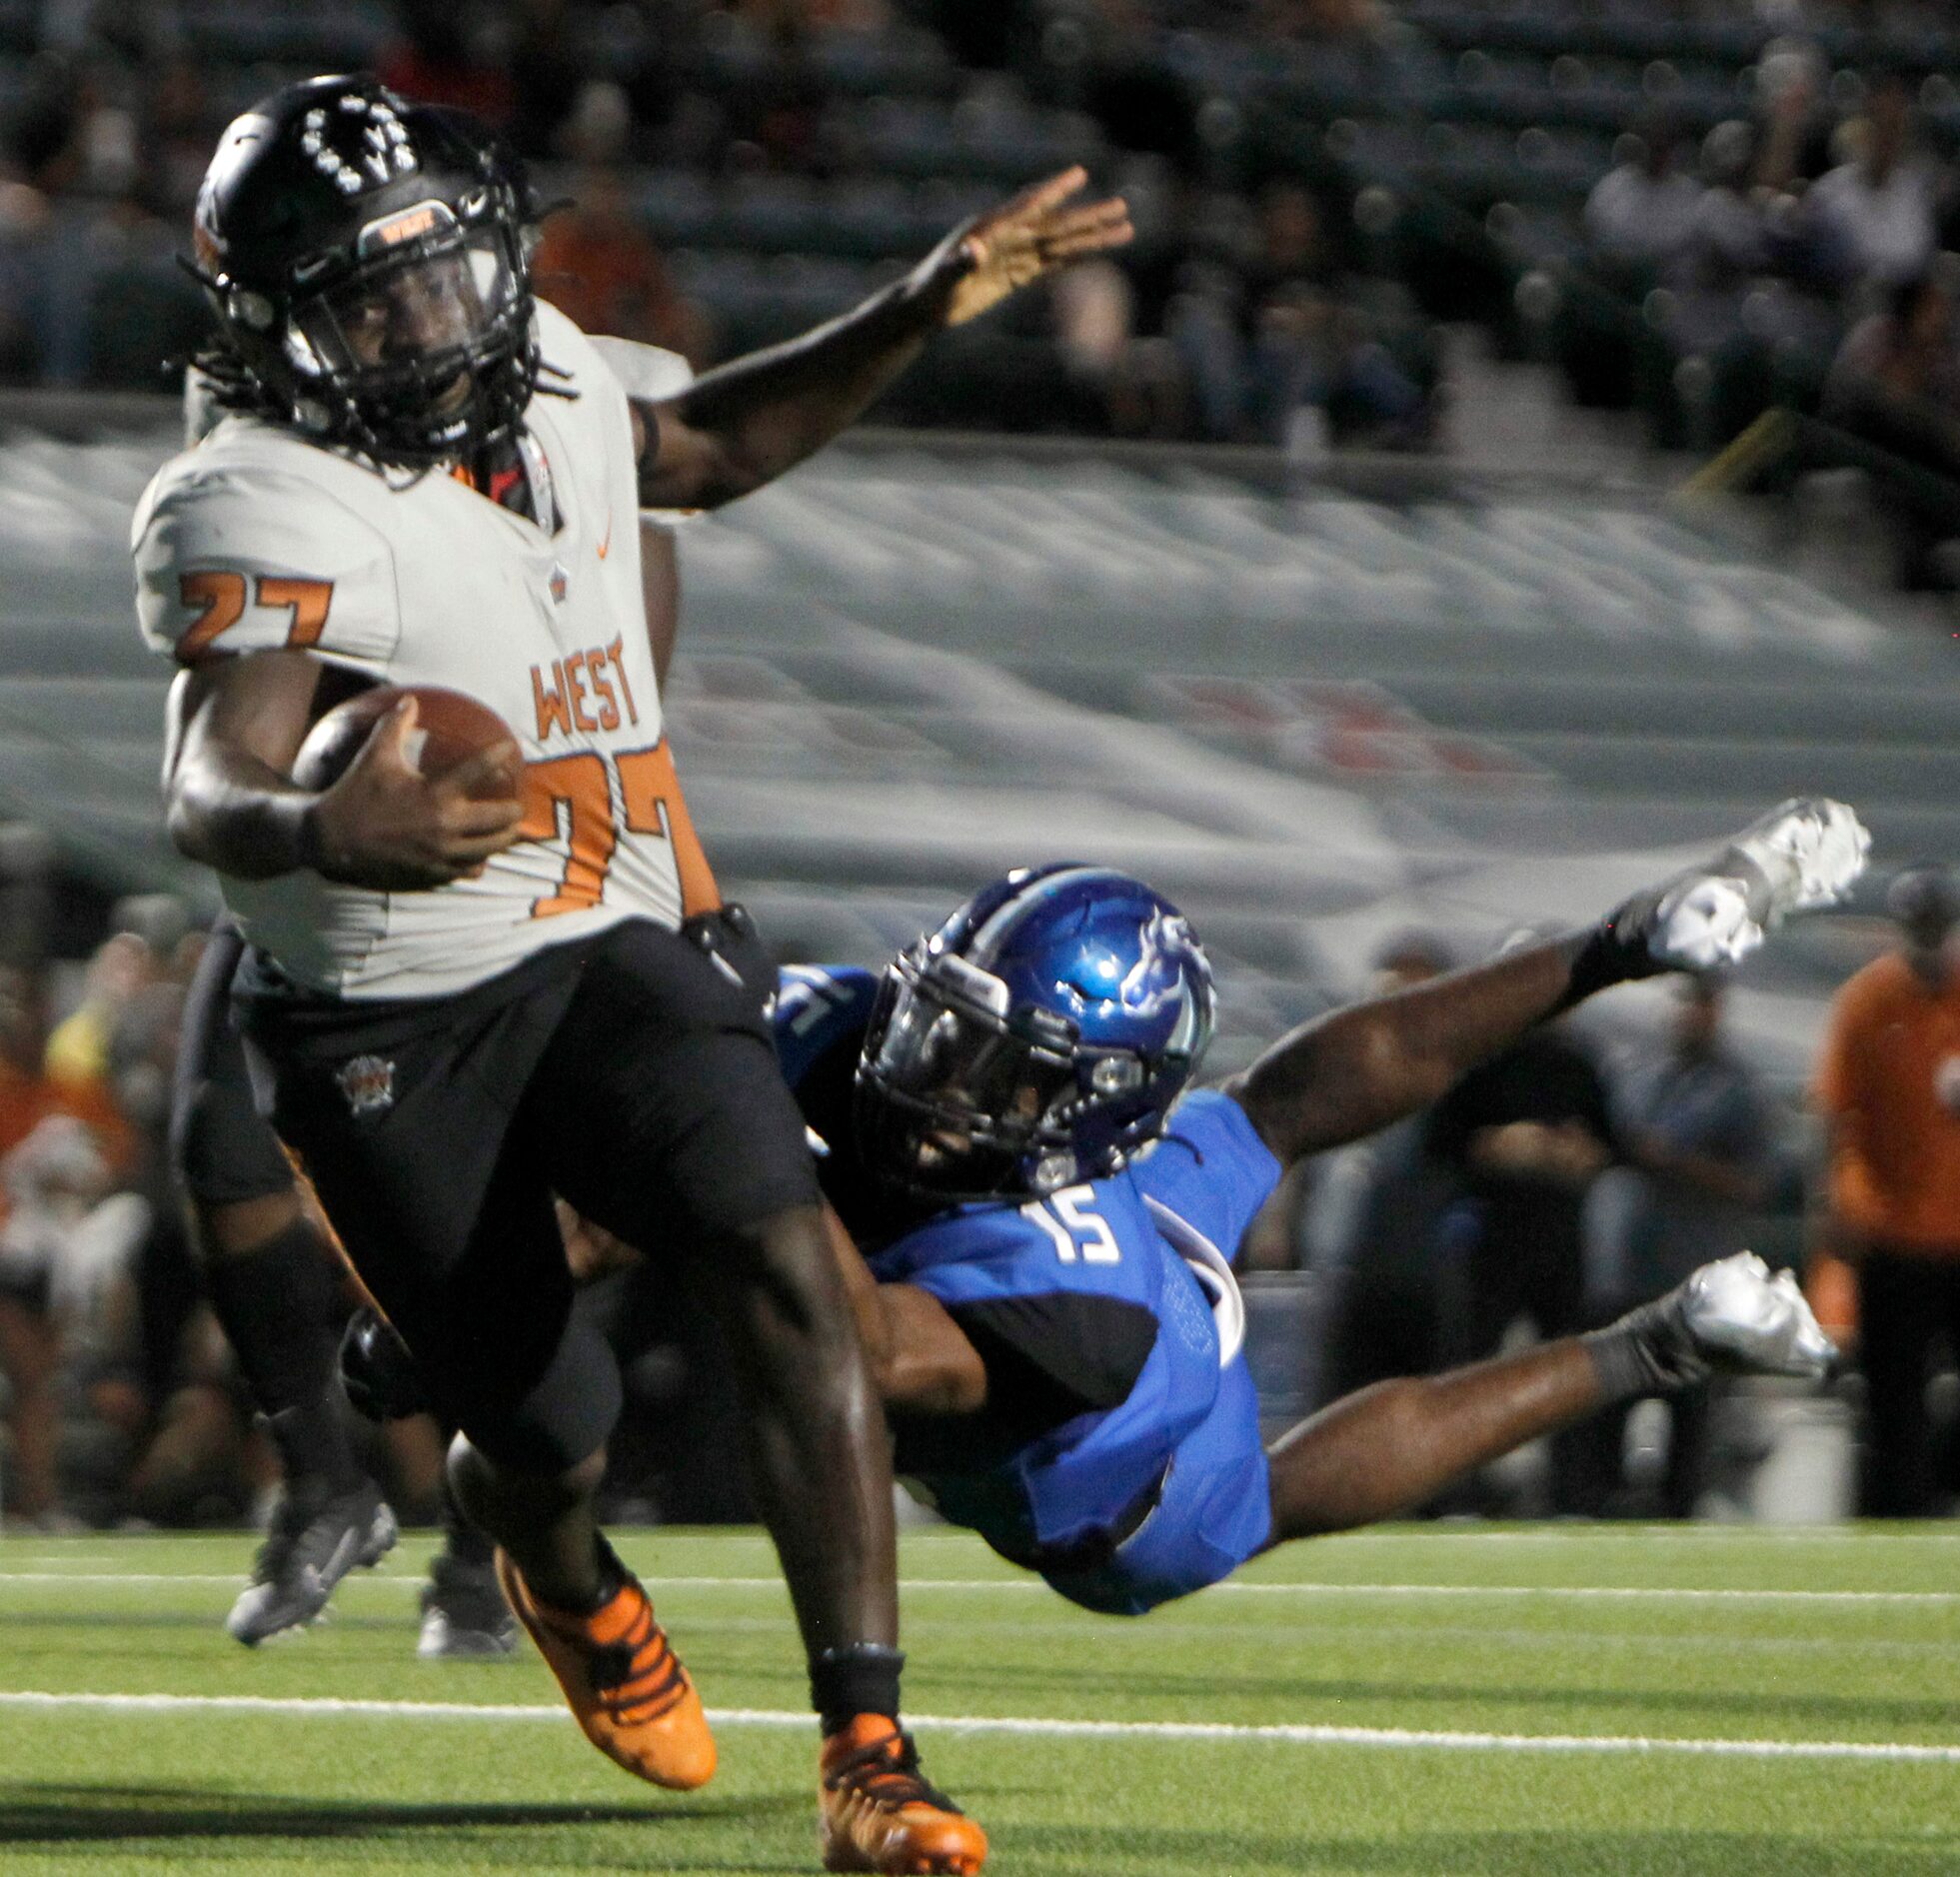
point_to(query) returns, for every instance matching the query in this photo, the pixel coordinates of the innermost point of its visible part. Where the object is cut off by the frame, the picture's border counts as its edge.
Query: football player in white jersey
(462, 1000)
(272, 1276)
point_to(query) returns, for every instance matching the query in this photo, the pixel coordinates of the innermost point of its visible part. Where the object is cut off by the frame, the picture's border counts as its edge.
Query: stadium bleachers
(1311, 720)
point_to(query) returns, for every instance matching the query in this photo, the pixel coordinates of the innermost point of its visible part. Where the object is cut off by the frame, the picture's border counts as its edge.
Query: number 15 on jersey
(1073, 1226)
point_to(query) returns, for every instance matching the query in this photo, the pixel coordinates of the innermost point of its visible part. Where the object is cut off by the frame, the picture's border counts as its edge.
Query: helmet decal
(383, 149)
(390, 231)
(1162, 946)
(240, 147)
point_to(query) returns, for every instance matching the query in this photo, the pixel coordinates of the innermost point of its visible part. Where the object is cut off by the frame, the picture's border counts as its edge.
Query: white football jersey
(257, 538)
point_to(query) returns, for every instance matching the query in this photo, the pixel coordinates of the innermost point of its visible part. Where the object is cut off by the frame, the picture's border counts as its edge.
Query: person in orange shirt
(1889, 1084)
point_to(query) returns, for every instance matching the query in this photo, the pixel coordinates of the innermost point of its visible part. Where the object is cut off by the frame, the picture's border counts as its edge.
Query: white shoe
(1745, 1321)
(1804, 855)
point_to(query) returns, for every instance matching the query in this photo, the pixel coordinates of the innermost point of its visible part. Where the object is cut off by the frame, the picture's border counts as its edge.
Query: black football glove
(377, 1370)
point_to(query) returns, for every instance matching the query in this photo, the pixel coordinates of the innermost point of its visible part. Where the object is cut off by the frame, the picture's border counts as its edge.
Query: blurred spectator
(1202, 322)
(777, 119)
(89, 290)
(1280, 345)
(1528, 1131)
(1323, 340)
(1796, 121)
(434, 59)
(1729, 240)
(1135, 383)
(1888, 1083)
(1896, 382)
(53, 1180)
(29, 1347)
(27, 1096)
(1695, 1122)
(1313, 353)
(59, 1144)
(1641, 213)
(78, 1050)
(39, 296)
(1387, 1314)
(158, 1381)
(595, 262)
(547, 75)
(1877, 217)
(177, 134)
(1292, 246)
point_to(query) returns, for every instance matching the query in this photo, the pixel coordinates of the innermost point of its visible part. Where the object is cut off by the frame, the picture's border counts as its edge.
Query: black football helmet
(369, 263)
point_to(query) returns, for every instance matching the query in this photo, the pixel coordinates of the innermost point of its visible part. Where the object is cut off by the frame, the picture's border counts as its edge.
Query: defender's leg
(1393, 1445)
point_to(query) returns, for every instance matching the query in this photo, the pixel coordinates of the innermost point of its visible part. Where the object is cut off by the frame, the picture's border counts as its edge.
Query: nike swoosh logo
(606, 546)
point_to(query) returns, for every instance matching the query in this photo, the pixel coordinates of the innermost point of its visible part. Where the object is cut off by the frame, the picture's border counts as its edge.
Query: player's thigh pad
(661, 1104)
(406, 1121)
(221, 1148)
(1216, 1513)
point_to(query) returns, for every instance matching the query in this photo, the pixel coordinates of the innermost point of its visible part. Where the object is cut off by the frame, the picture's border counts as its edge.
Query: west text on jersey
(570, 691)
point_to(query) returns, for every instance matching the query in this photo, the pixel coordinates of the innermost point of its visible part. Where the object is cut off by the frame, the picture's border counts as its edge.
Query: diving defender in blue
(1038, 1221)
(1035, 1221)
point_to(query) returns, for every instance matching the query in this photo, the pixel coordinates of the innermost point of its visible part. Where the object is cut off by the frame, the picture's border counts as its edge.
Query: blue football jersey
(1108, 1309)
(820, 1010)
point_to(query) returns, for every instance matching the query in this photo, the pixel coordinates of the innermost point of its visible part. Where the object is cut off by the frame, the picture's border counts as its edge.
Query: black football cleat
(317, 1537)
(464, 1615)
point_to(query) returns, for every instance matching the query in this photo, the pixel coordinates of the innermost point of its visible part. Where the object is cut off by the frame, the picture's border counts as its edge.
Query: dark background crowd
(1700, 212)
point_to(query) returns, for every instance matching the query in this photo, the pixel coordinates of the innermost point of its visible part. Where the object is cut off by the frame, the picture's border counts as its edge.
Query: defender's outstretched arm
(921, 1362)
(1356, 1069)
(745, 422)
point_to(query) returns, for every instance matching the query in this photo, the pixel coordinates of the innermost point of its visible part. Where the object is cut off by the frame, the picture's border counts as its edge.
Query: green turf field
(1537, 1703)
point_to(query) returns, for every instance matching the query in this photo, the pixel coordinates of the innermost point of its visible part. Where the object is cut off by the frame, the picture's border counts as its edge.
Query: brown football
(450, 729)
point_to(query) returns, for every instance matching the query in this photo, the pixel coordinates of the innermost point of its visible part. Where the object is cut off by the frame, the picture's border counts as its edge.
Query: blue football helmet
(1037, 1040)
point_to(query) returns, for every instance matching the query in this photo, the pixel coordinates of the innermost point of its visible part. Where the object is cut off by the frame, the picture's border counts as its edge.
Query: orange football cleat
(879, 1813)
(622, 1681)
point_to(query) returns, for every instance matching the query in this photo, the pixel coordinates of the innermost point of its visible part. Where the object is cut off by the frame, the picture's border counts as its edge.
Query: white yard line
(1706, 1531)
(1399, 1738)
(1657, 1594)
(63, 1558)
